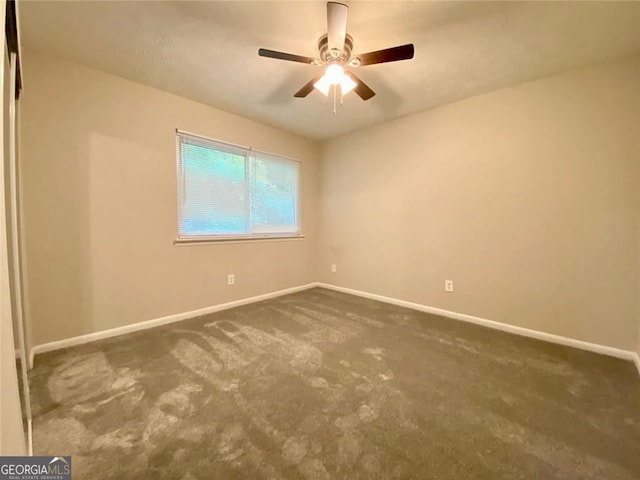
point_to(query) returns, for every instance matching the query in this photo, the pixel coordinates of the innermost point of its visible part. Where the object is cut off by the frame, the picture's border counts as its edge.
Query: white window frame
(248, 152)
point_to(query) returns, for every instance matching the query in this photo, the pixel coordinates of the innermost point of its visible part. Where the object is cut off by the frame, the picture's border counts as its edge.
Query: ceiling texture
(208, 51)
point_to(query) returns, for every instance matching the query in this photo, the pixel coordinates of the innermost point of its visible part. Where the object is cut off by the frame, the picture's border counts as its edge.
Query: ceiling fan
(335, 53)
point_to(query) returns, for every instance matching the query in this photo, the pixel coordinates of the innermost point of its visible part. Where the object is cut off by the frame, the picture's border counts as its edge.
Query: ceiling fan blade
(336, 25)
(263, 52)
(362, 89)
(307, 89)
(403, 52)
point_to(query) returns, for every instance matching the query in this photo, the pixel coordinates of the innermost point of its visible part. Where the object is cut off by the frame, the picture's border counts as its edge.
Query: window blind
(227, 191)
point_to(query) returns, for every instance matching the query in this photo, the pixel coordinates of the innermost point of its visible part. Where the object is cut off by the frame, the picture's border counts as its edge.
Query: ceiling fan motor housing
(327, 56)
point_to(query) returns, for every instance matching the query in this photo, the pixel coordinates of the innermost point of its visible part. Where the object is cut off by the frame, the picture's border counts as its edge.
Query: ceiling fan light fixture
(334, 75)
(347, 84)
(323, 85)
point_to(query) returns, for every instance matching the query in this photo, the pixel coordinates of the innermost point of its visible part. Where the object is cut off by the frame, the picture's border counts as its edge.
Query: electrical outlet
(333, 268)
(448, 286)
(231, 279)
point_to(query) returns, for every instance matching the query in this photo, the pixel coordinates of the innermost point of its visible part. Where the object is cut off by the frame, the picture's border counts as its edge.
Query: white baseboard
(156, 322)
(526, 332)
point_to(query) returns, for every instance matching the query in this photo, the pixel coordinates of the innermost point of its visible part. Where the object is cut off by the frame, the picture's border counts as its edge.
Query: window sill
(182, 242)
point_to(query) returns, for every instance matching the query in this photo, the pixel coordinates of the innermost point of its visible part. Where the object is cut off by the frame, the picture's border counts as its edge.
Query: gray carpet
(320, 385)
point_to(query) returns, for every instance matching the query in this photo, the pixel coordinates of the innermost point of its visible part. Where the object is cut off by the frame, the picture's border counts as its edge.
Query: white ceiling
(207, 51)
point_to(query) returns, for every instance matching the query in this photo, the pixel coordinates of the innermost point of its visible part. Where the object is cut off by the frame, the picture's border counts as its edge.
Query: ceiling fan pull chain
(335, 92)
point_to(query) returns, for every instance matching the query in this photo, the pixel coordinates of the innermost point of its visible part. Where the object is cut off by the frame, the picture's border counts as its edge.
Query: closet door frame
(16, 269)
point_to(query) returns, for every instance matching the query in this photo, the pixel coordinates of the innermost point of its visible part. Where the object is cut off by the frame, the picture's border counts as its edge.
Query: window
(230, 192)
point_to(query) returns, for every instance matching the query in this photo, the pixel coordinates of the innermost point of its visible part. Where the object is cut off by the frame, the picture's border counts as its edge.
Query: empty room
(320, 240)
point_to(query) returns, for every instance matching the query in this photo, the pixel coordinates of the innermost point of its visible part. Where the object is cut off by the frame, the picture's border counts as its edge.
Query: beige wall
(99, 205)
(526, 197)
